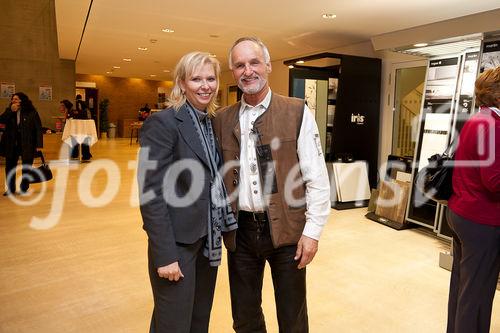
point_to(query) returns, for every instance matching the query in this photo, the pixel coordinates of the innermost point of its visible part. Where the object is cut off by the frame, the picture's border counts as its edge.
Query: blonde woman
(181, 205)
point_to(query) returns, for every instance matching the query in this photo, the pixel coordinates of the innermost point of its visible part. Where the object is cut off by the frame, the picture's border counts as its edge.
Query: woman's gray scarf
(220, 214)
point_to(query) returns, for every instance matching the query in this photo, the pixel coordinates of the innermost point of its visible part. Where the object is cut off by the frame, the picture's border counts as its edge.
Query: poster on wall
(491, 55)
(441, 85)
(310, 94)
(435, 137)
(45, 93)
(333, 84)
(466, 97)
(7, 89)
(436, 122)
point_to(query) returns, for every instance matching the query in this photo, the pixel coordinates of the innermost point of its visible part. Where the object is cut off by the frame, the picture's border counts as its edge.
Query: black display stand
(355, 129)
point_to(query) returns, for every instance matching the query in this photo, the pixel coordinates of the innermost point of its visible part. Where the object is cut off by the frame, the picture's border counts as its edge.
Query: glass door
(408, 92)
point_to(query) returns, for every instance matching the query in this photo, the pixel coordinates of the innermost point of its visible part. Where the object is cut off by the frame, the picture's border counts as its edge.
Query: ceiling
(115, 28)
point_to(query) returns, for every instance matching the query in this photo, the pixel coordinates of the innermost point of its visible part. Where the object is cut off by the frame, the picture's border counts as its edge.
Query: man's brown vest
(279, 127)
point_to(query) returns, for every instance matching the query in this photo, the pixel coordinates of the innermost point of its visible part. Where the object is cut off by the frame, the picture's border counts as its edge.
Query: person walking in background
(273, 141)
(144, 112)
(22, 137)
(81, 112)
(66, 108)
(185, 242)
(474, 213)
(82, 108)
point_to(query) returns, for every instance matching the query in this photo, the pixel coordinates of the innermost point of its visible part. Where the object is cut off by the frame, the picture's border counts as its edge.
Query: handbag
(40, 174)
(435, 179)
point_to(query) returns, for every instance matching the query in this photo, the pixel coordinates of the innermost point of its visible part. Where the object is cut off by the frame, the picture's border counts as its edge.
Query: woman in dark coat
(22, 138)
(184, 237)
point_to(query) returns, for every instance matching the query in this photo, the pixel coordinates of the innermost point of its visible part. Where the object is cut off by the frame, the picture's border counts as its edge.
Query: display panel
(435, 124)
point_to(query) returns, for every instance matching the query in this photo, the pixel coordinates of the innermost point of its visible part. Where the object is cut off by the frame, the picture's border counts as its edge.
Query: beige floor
(87, 273)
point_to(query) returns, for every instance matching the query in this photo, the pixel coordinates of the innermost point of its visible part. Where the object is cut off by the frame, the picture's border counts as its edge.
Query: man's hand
(171, 272)
(306, 249)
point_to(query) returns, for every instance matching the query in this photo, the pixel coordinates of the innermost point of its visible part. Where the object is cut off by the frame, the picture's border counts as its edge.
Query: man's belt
(252, 216)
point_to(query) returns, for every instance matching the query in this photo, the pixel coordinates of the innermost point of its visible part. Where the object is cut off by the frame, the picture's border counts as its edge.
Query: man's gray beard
(251, 91)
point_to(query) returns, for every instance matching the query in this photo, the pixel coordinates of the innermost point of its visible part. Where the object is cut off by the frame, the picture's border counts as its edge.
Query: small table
(80, 129)
(136, 125)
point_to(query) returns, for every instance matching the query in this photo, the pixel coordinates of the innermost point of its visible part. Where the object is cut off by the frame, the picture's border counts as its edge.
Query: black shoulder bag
(435, 179)
(40, 174)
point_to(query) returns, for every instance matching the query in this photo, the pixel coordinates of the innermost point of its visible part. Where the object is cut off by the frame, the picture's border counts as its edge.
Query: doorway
(90, 96)
(407, 105)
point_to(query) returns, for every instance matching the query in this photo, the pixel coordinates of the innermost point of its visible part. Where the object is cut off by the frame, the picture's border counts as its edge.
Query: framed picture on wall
(45, 93)
(491, 55)
(7, 89)
(310, 94)
(333, 84)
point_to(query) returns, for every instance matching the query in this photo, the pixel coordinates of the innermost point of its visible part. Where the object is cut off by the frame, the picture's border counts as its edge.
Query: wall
(29, 55)
(126, 95)
(450, 30)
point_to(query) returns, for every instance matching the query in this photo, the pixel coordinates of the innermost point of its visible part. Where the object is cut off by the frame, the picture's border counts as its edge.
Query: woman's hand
(171, 272)
(14, 107)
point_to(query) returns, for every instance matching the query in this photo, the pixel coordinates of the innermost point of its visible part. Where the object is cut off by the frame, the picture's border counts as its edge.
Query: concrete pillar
(29, 56)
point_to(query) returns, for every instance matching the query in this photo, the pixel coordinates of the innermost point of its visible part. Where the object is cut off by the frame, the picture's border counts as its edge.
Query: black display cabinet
(354, 131)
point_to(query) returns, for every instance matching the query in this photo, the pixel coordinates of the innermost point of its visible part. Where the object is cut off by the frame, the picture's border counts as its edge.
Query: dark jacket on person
(166, 138)
(82, 110)
(26, 136)
(76, 114)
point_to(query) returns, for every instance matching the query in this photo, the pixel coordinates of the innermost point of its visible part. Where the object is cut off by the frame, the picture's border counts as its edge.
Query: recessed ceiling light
(116, 67)
(152, 75)
(142, 48)
(329, 16)
(166, 71)
(298, 62)
(290, 66)
(127, 59)
(168, 30)
(108, 72)
(420, 44)
(153, 40)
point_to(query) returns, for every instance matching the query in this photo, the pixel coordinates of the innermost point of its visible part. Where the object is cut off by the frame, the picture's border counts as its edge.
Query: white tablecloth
(79, 129)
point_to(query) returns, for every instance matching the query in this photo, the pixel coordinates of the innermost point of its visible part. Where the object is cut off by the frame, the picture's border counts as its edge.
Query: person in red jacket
(474, 213)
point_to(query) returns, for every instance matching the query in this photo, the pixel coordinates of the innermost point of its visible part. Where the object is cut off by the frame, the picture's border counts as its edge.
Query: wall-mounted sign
(7, 89)
(45, 93)
(491, 55)
(357, 119)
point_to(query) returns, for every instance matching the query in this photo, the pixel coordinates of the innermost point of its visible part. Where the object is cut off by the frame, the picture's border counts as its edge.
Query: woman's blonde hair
(487, 89)
(188, 64)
